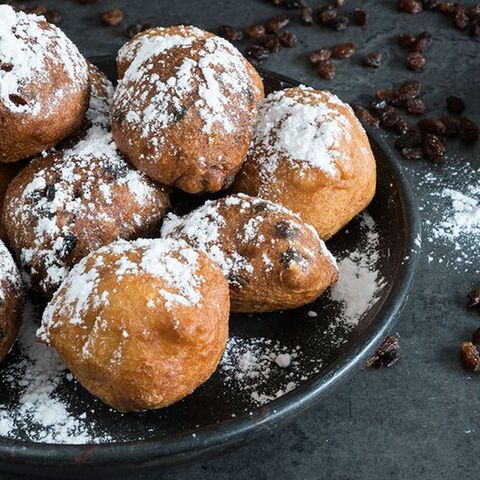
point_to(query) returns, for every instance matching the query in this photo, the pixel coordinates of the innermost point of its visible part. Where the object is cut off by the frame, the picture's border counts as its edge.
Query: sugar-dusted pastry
(185, 107)
(140, 324)
(62, 206)
(44, 85)
(311, 155)
(271, 258)
(12, 300)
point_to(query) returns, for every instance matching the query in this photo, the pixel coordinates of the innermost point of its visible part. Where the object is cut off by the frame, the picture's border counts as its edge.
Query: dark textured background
(418, 419)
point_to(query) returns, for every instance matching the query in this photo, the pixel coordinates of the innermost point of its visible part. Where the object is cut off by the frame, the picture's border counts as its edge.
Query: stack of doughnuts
(137, 300)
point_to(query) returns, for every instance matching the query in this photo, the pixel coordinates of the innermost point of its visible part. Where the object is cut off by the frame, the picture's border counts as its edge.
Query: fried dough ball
(44, 86)
(140, 324)
(12, 301)
(185, 107)
(311, 155)
(61, 207)
(7, 174)
(271, 258)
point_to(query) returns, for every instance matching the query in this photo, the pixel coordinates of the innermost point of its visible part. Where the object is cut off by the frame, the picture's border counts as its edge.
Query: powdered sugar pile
(305, 133)
(26, 48)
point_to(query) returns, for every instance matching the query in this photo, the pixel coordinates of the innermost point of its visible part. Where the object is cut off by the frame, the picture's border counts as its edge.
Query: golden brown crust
(8, 171)
(326, 189)
(125, 339)
(185, 107)
(12, 301)
(272, 259)
(45, 86)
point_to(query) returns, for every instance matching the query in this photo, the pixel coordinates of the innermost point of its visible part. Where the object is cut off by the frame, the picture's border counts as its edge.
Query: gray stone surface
(419, 419)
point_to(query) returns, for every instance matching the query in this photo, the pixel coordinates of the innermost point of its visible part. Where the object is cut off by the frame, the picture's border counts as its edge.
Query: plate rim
(184, 446)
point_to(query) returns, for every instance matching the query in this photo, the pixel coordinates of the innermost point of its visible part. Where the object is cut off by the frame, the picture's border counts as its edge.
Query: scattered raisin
(271, 42)
(341, 23)
(461, 20)
(343, 50)
(402, 127)
(407, 40)
(53, 16)
(475, 28)
(432, 125)
(326, 70)
(69, 244)
(365, 116)
(474, 298)
(415, 106)
(410, 6)
(255, 31)
(277, 23)
(112, 17)
(306, 16)
(423, 43)
(389, 116)
(373, 60)
(287, 39)
(284, 229)
(50, 192)
(360, 16)
(415, 61)
(433, 148)
(390, 96)
(236, 280)
(321, 55)
(430, 4)
(257, 54)
(411, 139)
(468, 130)
(387, 355)
(137, 28)
(455, 104)
(410, 89)
(470, 356)
(327, 17)
(414, 153)
(230, 33)
(451, 125)
(447, 8)
(474, 12)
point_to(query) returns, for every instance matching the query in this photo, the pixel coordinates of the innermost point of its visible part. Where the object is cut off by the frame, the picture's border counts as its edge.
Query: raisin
(475, 29)
(112, 17)
(432, 125)
(461, 20)
(470, 356)
(137, 28)
(415, 106)
(365, 116)
(410, 89)
(402, 127)
(476, 336)
(389, 116)
(50, 192)
(360, 16)
(407, 40)
(271, 42)
(326, 70)
(468, 130)
(341, 23)
(69, 244)
(290, 256)
(257, 54)
(276, 23)
(474, 298)
(433, 148)
(261, 207)
(411, 139)
(410, 6)
(255, 31)
(321, 55)
(448, 8)
(430, 4)
(415, 61)
(339, 3)
(306, 16)
(327, 17)
(412, 153)
(423, 43)
(474, 12)
(451, 125)
(53, 16)
(284, 229)
(343, 50)
(387, 355)
(17, 100)
(455, 104)
(378, 104)
(390, 96)
(237, 280)
(373, 60)
(287, 39)
(230, 33)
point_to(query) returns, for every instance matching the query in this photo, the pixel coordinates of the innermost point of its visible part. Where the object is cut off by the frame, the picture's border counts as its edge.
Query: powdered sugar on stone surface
(28, 47)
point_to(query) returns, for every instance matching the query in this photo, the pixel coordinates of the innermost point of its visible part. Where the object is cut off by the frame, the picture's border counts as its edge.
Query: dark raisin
(476, 336)
(341, 23)
(289, 256)
(6, 67)
(423, 43)
(389, 116)
(360, 16)
(378, 104)
(386, 355)
(271, 42)
(327, 17)
(343, 50)
(468, 130)
(255, 31)
(451, 125)
(475, 29)
(17, 100)
(257, 54)
(392, 97)
(432, 125)
(410, 89)
(69, 244)
(415, 106)
(461, 20)
(230, 33)
(261, 207)
(474, 298)
(287, 39)
(455, 104)
(402, 127)
(53, 16)
(474, 12)
(365, 116)
(433, 148)
(407, 40)
(326, 70)
(470, 356)
(277, 23)
(321, 55)
(339, 3)
(447, 8)
(415, 61)
(411, 139)
(50, 192)
(430, 4)
(112, 17)
(373, 60)
(237, 280)
(412, 153)
(306, 16)
(284, 229)
(410, 6)
(133, 30)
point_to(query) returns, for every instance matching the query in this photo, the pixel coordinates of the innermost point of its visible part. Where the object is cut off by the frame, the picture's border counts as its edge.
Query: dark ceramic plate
(217, 414)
